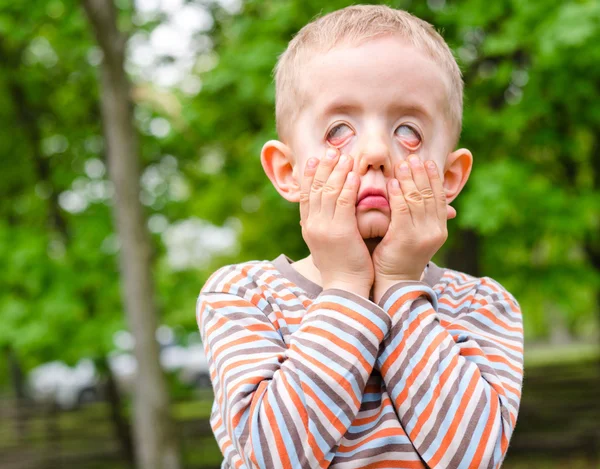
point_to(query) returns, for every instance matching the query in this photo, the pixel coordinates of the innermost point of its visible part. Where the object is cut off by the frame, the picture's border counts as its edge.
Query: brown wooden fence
(559, 420)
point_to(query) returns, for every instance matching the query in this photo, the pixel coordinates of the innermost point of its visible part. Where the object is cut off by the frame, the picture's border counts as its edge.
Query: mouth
(373, 198)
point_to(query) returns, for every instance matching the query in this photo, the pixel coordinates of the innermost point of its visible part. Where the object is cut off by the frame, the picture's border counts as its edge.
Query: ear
(456, 172)
(278, 162)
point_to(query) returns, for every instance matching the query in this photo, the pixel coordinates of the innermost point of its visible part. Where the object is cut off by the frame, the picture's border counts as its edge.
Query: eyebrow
(345, 107)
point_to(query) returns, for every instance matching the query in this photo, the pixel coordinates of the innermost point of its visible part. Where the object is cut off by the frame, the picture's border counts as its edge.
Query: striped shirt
(430, 377)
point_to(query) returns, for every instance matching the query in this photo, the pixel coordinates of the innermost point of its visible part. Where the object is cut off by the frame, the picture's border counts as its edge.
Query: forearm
(446, 392)
(381, 286)
(315, 384)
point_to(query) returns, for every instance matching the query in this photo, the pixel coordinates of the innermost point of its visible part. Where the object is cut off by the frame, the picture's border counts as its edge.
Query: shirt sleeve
(289, 406)
(456, 385)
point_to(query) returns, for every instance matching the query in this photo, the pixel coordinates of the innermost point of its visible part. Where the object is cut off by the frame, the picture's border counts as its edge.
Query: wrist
(383, 285)
(361, 290)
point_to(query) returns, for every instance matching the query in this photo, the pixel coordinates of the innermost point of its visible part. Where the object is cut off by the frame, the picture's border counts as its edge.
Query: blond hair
(356, 24)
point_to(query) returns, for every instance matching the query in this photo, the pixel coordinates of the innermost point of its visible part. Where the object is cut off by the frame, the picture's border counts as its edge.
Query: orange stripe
(395, 463)
(368, 324)
(296, 401)
(272, 423)
(255, 401)
(399, 302)
(501, 359)
(436, 395)
(386, 432)
(234, 365)
(336, 340)
(417, 370)
(492, 338)
(340, 380)
(312, 443)
(478, 456)
(513, 390)
(406, 334)
(259, 381)
(451, 302)
(240, 341)
(456, 421)
(496, 320)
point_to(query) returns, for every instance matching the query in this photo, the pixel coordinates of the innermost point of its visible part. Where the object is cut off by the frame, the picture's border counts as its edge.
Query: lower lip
(374, 201)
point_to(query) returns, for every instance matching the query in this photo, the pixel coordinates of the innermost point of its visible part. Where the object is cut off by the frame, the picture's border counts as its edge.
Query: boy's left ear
(278, 162)
(456, 172)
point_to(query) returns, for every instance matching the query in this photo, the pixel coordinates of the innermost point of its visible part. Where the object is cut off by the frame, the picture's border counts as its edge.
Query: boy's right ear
(278, 162)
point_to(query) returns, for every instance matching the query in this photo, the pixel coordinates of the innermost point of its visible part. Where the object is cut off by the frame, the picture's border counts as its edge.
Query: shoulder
(242, 279)
(463, 290)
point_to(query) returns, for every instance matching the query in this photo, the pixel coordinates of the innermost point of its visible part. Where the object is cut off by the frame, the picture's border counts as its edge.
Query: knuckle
(317, 185)
(329, 190)
(344, 201)
(304, 197)
(402, 207)
(413, 196)
(427, 193)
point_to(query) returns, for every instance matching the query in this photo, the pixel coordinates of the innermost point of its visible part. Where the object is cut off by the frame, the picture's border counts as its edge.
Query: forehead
(382, 74)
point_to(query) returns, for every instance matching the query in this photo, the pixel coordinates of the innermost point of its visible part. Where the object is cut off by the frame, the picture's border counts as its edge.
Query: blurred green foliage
(531, 119)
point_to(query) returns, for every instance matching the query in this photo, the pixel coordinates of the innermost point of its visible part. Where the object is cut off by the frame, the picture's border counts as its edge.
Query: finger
(345, 208)
(421, 180)
(324, 169)
(438, 191)
(401, 214)
(305, 185)
(333, 186)
(411, 193)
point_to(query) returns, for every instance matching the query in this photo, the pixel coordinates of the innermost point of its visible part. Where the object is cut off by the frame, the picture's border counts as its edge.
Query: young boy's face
(379, 102)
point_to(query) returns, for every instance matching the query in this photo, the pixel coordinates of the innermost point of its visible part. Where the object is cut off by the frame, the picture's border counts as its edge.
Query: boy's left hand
(419, 214)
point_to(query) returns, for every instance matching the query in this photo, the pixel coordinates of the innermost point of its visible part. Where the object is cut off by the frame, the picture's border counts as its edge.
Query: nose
(374, 153)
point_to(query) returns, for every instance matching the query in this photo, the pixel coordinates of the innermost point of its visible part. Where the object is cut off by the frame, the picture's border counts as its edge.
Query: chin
(373, 224)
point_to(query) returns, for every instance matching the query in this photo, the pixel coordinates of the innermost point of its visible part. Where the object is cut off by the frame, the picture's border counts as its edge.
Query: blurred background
(95, 263)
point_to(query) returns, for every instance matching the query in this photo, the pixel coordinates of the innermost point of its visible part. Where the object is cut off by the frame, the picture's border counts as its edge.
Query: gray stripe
(443, 412)
(485, 328)
(386, 451)
(290, 427)
(348, 366)
(346, 328)
(469, 431)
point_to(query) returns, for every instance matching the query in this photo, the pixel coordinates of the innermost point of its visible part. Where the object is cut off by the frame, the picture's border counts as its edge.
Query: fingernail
(431, 165)
(343, 159)
(414, 160)
(331, 154)
(404, 167)
(312, 163)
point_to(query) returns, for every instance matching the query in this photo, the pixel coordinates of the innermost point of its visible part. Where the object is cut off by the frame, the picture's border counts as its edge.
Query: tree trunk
(121, 425)
(17, 379)
(464, 252)
(155, 440)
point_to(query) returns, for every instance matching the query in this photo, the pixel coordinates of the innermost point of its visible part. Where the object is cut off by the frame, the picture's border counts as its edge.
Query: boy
(365, 353)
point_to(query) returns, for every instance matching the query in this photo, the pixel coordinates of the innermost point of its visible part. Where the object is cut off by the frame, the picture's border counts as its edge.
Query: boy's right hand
(328, 218)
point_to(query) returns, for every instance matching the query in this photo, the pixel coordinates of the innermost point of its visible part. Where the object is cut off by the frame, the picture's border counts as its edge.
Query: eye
(409, 136)
(338, 134)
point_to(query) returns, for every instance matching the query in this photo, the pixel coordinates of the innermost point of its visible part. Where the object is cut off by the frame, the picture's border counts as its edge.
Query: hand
(417, 228)
(328, 218)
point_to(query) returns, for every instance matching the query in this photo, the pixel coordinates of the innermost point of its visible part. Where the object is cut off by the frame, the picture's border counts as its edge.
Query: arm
(456, 386)
(289, 407)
